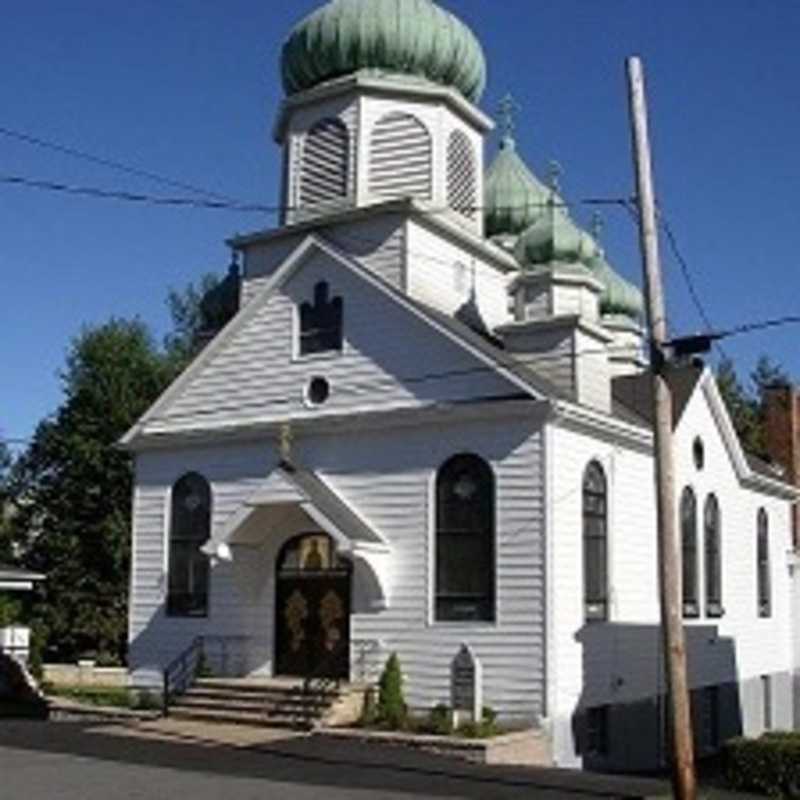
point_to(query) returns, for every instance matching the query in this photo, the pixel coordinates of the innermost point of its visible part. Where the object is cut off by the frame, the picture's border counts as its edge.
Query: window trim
(595, 611)
(169, 609)
(492, 620)
(691, 605)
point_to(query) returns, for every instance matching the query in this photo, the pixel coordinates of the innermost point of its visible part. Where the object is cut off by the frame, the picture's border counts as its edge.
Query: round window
(318, 391)
(699, 453)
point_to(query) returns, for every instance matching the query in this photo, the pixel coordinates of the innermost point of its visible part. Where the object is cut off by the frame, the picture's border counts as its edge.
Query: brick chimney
(783, 439)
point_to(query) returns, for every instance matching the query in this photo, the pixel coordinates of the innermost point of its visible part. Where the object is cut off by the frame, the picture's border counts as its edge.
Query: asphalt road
(70, 761)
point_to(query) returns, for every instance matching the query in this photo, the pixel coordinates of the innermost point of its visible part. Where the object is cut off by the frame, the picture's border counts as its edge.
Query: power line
(111, 164)
(107, 194)
(242, 206)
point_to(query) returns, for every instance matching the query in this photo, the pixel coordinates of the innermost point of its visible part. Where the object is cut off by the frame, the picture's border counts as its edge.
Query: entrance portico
(325, 563)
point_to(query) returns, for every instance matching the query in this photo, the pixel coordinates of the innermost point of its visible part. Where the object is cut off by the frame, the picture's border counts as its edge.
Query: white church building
(429, 425)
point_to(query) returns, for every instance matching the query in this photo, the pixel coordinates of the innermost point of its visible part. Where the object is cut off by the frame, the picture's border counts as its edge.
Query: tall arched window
(691, 597)
(595, 543)
(190, 528)
(462, 183)
(465, 537)
(713, 557)
(762, 556)
(325, 164)
(400, 159)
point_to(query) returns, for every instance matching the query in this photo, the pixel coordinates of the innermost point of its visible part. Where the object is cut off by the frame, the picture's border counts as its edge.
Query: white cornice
(374, 83)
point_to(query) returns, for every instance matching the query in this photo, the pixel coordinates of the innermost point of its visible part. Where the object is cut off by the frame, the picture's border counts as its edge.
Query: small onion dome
(554, 237)
(514, 198)
(412, 37)
(619, 297)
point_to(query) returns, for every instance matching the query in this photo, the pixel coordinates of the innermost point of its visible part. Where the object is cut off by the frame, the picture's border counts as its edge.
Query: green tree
(746, 404)
(6, 550)
(73, 489)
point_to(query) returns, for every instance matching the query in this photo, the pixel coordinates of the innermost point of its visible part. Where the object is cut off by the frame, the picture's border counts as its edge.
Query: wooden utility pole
(684, 779)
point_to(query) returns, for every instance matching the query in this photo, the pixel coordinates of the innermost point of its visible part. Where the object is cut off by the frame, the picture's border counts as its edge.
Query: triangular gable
(475, 356)
(738, 458)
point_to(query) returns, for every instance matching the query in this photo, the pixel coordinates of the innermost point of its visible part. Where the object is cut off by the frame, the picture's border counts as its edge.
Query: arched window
(595, 543)
(321, 322)
(762, 556)
(713, 557)
(691, 597)
(325, 165)
(462, 184)
(400, 160)
(465, 540)
(190, 528)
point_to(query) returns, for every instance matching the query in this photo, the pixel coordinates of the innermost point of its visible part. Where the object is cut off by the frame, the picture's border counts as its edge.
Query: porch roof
(293, 484)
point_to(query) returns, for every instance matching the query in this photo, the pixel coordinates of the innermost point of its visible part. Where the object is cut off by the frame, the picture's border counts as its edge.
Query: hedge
(769, 765)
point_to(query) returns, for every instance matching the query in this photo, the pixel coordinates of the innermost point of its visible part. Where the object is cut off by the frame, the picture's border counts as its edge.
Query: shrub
(769, 765)
(440, 720)
(10, 611)
(392, 709)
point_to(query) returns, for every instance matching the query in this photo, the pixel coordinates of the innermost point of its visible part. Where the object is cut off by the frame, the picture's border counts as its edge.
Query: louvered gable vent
(325, 163)
(400, 158)
(461, 178)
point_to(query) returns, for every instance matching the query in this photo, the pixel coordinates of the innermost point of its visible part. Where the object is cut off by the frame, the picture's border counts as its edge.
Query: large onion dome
(619, 297)
(514, 198)
(412, 37)
(554, 237)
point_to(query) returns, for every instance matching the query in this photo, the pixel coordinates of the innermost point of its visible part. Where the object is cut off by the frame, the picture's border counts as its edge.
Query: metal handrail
(180, 673)
(316, 683)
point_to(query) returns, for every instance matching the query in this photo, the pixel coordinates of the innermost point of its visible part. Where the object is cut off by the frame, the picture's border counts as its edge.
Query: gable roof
(634, 393)
(490, 356)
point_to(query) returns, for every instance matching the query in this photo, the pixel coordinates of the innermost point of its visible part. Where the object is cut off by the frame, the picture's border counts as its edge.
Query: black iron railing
(181, 672)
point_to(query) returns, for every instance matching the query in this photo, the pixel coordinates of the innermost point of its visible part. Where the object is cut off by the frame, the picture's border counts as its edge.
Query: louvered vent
(400, 158)
(325, 163)
(462, 182)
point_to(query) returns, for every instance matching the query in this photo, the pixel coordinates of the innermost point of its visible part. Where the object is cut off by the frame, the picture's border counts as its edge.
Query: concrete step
(256, 705)
(231, 717)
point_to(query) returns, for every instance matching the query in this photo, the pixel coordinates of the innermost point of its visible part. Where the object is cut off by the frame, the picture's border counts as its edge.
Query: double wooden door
(312, 624)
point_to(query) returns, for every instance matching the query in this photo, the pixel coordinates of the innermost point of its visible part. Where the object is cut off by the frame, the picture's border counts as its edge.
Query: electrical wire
(111, 164)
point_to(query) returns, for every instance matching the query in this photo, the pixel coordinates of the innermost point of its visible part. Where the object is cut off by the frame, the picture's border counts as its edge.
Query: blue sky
(190, 89)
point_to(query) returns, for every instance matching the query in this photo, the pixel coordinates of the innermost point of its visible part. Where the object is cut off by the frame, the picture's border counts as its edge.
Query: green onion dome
(619, 297)
(554, 237)
(514, 198)
(412, 37)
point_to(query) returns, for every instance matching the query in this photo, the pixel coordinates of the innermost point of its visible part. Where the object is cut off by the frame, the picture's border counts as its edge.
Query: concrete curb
(64, 710)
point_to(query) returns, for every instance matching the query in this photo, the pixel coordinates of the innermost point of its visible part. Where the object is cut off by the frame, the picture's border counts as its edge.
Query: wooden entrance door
(312, 625)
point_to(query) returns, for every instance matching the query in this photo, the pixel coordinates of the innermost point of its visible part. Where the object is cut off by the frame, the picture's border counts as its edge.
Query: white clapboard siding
(325, 163)
(462, 182)
(623, 665)
(400, 158)
(377, 243)
(448, 276)
(388, 477)
(389, 357)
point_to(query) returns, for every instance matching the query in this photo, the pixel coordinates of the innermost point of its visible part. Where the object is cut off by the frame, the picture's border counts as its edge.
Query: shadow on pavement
(321, 761)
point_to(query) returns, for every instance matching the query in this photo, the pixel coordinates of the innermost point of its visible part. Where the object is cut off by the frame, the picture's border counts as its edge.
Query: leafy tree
(74, 487)
(746, 405)
(71, 489)
(5, 502)
(185, 308)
